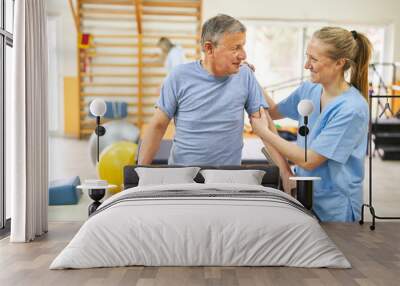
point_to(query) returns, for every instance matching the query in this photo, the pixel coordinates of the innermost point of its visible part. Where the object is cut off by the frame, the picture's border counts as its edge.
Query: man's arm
(279, 160)
(261, 126)
(152, 137)
(273, 107)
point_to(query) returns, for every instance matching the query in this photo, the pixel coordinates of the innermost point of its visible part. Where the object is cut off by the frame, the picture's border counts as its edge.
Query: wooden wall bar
(122, 61)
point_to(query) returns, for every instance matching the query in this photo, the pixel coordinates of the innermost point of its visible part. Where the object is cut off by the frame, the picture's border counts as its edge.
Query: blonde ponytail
(352, 46)
(359, 71)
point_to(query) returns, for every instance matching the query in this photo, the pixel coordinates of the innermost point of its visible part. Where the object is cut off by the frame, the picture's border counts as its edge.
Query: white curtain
(27, 123)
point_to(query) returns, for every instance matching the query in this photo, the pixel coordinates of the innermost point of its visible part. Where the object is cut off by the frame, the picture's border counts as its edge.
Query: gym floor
(70, 157)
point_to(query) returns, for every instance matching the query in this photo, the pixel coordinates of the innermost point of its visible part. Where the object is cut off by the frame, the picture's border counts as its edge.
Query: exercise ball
(112, 161)
(116, 130)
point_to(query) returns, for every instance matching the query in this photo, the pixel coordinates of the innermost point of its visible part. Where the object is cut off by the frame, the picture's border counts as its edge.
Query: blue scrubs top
(339, 133)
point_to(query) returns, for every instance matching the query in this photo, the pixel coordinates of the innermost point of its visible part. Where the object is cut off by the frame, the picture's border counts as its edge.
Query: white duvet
(183, 231)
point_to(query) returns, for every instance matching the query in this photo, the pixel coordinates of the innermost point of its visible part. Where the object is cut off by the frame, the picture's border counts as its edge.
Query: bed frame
(270, 179)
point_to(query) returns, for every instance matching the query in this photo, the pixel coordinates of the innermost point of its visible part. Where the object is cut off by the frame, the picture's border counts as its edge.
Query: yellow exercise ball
(112, 161)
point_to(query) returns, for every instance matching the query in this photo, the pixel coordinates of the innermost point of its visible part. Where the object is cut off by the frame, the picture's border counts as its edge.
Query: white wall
(67, 36)
(382, 12)
(59, 15)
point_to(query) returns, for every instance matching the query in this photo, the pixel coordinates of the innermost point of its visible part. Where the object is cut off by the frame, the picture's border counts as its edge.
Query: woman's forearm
(291, 151)
(273, 107)
(278, 159)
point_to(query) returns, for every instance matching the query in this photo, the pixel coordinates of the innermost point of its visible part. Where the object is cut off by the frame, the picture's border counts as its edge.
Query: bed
(201, 224)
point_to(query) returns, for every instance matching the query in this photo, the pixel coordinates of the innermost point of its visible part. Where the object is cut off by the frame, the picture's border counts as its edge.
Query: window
(6, 44)
(9, 12)
(277, 48)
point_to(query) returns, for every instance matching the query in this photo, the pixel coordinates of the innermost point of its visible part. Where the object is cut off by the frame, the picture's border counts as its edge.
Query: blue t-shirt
(176, 56)
(338, 133)
(208, 113)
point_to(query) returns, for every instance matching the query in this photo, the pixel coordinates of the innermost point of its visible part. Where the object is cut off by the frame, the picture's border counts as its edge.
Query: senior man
(207, 99)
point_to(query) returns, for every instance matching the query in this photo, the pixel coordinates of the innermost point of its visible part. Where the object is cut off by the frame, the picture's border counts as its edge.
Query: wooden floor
(374, 255)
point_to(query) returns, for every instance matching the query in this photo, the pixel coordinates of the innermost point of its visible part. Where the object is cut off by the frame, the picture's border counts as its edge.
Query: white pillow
(248, 177)
(166, 176)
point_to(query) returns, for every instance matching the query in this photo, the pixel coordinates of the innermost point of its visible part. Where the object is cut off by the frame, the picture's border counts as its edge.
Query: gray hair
(213, 29)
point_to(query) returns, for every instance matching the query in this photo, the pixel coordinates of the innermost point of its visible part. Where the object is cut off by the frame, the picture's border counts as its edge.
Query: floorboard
(374, 255)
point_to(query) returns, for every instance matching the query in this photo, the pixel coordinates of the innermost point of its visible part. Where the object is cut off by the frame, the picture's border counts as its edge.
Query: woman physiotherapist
(338, 125)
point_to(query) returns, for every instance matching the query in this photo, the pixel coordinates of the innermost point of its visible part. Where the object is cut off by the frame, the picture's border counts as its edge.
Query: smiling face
(228, 54)
(323, 68)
